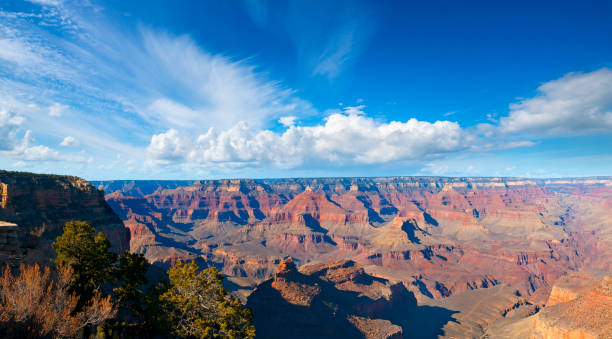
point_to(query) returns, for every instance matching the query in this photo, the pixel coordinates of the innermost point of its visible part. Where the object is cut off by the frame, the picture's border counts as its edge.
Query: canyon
(486, 251)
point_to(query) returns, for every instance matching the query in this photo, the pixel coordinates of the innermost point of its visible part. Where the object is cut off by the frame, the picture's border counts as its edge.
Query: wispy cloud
(326, 44)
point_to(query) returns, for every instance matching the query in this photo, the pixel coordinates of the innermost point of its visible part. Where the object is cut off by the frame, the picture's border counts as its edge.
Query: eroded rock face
(42, 204)
(587, 316)
(580, 306)
(439, 236)
(10, 248)
(333, 299)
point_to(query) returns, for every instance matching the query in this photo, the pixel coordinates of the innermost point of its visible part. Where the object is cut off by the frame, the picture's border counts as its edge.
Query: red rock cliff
(41, 204)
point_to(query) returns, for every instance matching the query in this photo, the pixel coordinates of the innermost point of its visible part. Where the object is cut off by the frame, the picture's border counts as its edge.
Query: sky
(260, 89)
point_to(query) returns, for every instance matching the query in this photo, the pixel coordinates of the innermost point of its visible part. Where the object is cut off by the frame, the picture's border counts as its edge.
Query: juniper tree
(199, 307)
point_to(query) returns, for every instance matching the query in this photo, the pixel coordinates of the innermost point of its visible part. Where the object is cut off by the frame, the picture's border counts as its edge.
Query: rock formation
(41, 204)
(586, 315)
(336, 299)
(10, 249)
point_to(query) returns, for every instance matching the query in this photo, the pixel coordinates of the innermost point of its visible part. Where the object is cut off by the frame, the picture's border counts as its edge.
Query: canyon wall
(41, 204)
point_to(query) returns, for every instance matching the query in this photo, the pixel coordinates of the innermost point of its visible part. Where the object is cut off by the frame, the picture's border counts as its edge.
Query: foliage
(89, 256)
(199, 307)
(190, 304)
(37, 304)
(130, 275)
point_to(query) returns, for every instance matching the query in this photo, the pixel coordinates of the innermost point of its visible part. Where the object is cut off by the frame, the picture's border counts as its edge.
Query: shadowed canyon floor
(478, 249)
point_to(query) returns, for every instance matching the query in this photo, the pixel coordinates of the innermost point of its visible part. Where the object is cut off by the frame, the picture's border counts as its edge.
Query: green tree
(198, 306)
(130, 277)
(89, 256)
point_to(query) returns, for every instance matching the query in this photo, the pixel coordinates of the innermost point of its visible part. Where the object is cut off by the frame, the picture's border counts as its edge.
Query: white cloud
(174, 113)
(25, 148)
(18, 52)
(331, 62)
(9, 126)
(287, 121)
(40, 153)
(69, 142)
(343, 41)
(343, 139)
(47, 2)
(215, 90)
(72, 54)
(358, 110)
(57, 109)
(577, 103)
(517, 144)
(169, 145)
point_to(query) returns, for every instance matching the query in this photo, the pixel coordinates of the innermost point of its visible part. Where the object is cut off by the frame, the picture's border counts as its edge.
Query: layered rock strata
(41, 204)
(586, 315)
(441, 236)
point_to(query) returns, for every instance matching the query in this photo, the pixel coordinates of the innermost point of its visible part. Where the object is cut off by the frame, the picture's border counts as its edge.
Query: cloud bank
(344, 138)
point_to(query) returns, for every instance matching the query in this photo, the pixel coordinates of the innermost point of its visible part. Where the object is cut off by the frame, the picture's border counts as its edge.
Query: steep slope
(586, 314)
(589, 315)
(41, 204)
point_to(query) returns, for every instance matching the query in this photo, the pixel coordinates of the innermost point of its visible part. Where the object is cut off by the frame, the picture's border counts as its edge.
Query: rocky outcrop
(587, 316)
(10, 249)
(573, 285)
(335, 299)
(41, 204)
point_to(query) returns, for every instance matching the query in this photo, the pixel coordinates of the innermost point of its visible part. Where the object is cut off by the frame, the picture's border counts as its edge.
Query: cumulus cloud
(169, 145)
(69, 142)
(344, 138)
(40, 153)
(25, 148)
(577, 103)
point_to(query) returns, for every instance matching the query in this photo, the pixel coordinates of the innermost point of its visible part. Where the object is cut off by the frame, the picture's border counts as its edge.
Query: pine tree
(130, 277)
(89, 256)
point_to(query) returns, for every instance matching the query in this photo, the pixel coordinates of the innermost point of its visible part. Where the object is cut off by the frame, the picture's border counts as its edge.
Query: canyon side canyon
(468, 256)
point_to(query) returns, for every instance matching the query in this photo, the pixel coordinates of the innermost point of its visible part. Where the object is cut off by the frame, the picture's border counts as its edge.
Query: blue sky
(216, 89)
